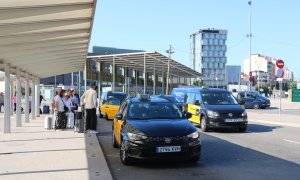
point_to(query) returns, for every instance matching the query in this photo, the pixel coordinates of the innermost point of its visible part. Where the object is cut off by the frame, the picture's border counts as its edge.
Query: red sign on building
(280, 63)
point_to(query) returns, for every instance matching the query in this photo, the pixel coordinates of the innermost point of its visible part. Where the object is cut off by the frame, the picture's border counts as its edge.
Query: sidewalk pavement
(288, 117)
(31, 152)
(285, 104)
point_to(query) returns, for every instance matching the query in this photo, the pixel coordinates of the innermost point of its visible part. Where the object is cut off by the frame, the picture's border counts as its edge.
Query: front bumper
(221, 123)
(143, 151)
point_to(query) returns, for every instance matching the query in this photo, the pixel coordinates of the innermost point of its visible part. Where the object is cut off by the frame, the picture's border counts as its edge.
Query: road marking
(291, 141)
(277, 123)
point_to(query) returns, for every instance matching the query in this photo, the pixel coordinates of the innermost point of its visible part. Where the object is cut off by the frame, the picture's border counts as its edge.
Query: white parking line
(291, 141)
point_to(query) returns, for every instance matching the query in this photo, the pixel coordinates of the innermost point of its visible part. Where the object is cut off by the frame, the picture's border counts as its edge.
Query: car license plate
(234, 120)
(168, 149)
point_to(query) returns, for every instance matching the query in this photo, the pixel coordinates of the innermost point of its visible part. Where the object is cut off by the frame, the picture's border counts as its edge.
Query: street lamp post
(250, 38)
(170, 52)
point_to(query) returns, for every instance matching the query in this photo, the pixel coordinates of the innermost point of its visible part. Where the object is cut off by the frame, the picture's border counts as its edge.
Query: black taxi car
(216, 108)
(154, 129)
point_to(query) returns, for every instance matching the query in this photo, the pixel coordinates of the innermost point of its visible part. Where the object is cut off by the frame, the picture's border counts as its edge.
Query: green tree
(198, 83)
(292, 85)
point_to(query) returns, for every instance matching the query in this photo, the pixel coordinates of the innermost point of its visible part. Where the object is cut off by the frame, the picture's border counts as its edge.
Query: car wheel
(242, 129)
(123, 155)
(114, 142)
(255, 106)
(203, 124)
(106, 116)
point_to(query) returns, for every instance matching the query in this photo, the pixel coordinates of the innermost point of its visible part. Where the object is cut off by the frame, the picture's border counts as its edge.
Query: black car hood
(225, 108)
(158, 128)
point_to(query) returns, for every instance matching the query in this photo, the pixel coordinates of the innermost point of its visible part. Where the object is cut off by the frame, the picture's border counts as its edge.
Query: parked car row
(163, 127)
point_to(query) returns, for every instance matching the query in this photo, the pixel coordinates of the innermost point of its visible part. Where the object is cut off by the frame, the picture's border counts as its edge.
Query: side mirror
(242, 102)
(197, 103)
(119, 116)
(188, 115)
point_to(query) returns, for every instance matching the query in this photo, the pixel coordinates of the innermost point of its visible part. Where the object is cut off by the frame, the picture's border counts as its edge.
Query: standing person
(41, 99)
(68, 102)
(1, 100)
(15, 102)
(30, 99)
(60, 121)
(89, 100)
(75, 100)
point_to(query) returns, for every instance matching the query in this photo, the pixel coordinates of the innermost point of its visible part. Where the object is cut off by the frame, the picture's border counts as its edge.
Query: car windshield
(153, 110)
(114, 101)
(173, 99)
(121, 97)
(218, 98)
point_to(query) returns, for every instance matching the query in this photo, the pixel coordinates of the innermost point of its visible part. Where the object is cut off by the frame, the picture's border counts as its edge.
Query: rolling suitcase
(79, 123)
(48, 122)
(70, 120)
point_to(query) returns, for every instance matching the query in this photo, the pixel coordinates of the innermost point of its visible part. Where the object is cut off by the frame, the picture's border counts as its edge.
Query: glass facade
(208, 55)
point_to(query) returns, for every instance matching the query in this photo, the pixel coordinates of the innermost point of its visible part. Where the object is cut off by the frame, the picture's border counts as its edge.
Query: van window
(190, 98)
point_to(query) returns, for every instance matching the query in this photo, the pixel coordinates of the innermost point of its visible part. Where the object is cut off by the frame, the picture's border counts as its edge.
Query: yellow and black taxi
(215, 108)
(110, 103)
(154, 129)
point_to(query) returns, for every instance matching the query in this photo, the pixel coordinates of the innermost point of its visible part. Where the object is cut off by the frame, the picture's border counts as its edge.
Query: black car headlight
(135, 137)
(244, 114)
(212, 114)
(194, 135)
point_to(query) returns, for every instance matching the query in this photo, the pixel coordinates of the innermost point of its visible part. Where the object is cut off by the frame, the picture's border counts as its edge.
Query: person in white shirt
(61, 118)
(68, 102)
(89, 100)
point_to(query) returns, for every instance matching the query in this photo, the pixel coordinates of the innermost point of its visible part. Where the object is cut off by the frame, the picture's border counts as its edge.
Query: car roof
(214, 90)
(156, 99)
(109, 92)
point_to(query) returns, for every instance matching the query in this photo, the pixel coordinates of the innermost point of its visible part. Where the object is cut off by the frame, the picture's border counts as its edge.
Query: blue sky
(154, 25)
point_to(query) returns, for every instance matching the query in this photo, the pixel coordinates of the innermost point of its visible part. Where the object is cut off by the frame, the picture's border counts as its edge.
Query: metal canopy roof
(45, 37)
(153, 60)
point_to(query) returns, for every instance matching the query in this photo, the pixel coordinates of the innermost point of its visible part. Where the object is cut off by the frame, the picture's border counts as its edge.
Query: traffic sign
(280, 73)
(250, 74)
(280, 63)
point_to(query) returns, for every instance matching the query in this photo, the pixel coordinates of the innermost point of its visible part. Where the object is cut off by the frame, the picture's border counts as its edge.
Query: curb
(98, 168)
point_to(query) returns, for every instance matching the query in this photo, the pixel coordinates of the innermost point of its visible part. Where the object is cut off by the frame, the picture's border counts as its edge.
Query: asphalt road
(264, 152)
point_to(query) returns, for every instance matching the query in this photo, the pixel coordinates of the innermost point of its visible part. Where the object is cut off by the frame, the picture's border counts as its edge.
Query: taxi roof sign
(144, 97)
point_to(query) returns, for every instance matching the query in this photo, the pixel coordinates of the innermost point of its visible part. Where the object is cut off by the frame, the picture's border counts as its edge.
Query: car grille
(162, 140)
(234, 115)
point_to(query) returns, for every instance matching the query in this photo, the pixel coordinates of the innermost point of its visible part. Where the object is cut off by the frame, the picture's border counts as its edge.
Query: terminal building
(128, 72)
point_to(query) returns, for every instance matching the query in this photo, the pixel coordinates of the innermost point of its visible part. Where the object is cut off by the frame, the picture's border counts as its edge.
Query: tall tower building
(208, 55)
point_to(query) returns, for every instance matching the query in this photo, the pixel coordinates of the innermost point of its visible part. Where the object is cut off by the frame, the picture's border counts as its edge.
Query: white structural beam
(18, 104)
(31, 53)
(21, 27)
(23, 38)
(7, 109)
(43, 45)
(40, 57)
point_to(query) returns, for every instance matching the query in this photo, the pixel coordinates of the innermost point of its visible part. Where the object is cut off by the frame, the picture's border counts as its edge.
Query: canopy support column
(145, 75)
(37, 97)
(32, 99)
(18, 105)
(7, 97)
